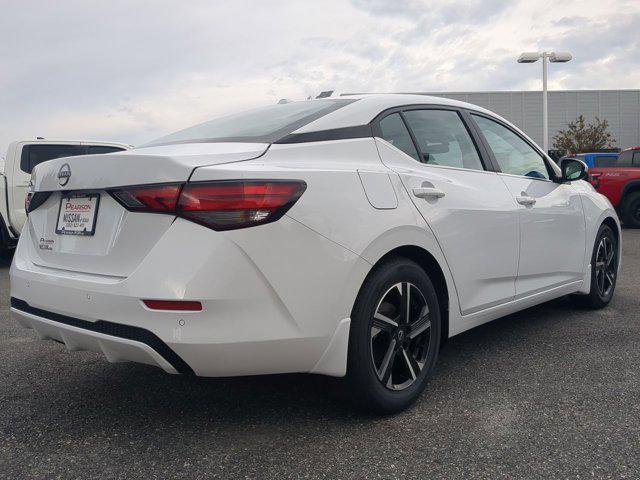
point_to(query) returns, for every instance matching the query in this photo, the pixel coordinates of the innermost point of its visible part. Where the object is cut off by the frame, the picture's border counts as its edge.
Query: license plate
(77, 214)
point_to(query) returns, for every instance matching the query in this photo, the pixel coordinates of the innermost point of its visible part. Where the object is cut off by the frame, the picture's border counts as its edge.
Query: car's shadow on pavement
(96, 393)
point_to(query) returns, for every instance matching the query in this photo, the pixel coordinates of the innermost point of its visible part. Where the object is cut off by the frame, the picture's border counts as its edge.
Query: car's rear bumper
(118, 343)
(265, 307)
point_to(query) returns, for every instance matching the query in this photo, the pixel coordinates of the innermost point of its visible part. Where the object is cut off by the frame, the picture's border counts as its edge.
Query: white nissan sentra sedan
(342, 236)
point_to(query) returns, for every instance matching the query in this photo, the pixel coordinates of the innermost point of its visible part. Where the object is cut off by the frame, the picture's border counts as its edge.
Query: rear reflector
(220, 205)
(175, 305)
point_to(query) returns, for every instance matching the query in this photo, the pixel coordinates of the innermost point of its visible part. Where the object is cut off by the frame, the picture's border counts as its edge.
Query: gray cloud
(133, 70)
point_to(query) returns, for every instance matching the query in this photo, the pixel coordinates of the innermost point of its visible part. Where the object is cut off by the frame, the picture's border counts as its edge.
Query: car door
(552, 225)
(467, 206)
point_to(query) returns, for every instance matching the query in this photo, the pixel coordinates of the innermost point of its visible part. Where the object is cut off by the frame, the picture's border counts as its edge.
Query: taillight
(149, 198)
(34, 199)
(220, 205)
(228, 205)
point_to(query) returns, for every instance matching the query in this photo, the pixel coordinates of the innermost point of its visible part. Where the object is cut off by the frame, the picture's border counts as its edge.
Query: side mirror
(573, 170)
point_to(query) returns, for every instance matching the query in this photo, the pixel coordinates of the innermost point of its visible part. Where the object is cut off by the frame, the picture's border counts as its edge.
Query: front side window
(636, 158)
(443, 139)
(513, 154)
(394, 131)
(261, 125)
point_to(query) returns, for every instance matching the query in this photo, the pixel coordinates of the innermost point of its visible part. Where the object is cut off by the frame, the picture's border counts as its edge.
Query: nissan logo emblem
(64, 174)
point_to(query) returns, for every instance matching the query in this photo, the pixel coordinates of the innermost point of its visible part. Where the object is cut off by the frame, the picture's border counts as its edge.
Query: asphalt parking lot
(551, 392)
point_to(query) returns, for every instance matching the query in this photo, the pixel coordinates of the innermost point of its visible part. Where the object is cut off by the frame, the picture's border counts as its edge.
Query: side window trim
(550, 171)
(486, 160)
(413, 137)
(485, 152)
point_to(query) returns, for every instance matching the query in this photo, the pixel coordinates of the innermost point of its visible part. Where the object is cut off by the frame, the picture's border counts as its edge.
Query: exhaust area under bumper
(117, 342)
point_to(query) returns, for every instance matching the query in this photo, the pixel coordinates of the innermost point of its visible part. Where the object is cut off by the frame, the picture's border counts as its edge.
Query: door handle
(525, 200)
(427, 192)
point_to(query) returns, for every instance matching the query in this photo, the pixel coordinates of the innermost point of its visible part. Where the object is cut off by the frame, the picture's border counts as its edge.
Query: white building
(621, 108)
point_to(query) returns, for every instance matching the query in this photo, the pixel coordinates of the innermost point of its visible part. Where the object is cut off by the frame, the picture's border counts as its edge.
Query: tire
(631, 210)
(603, 277)
(388, 367)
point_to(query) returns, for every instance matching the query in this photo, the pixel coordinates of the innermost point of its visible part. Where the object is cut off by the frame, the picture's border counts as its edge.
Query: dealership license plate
(77, 214)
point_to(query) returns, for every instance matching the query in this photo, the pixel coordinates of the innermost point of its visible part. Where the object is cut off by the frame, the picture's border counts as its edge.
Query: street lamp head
(560, 57)
(528, 57)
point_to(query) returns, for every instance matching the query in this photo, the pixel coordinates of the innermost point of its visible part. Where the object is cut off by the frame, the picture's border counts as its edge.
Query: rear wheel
(604, 270)
(631, 210)
(395, 336)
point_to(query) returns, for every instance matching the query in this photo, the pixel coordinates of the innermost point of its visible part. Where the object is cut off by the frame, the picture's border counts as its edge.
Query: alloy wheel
(400, 336)
(606, 266)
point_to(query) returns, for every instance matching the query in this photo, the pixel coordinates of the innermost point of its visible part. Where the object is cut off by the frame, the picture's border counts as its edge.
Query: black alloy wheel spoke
(400, 336)
(605, 266)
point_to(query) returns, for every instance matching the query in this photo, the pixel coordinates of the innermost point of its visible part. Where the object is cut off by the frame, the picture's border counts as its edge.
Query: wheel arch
(427, 261)
(613, 225)
(630, 187)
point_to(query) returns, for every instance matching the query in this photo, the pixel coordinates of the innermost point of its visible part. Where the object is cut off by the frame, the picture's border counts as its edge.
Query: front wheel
(394, 338)
(604, 271)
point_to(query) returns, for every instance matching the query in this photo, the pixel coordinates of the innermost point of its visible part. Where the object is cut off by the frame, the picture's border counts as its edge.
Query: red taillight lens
(221, 205)
(175, 305)
(149, 198)
(227, 205)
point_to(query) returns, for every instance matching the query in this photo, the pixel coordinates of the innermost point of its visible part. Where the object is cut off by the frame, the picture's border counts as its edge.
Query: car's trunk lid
(121, 238)
(167, 163)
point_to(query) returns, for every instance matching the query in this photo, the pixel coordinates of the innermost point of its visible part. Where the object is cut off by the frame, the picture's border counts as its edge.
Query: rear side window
(513, 154)
(33, 155)
(261, 125)
(443, 139)
(604, 161)
(97, 149)
(395, 132)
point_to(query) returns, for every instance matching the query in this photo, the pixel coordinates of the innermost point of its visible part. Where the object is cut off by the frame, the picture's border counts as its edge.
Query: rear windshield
(33, 155)
(260, 125)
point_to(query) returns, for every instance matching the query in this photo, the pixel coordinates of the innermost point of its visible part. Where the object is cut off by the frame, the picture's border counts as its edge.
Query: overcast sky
(134, 70)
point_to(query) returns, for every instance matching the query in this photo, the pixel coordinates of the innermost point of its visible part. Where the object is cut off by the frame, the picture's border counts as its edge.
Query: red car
(619, 181)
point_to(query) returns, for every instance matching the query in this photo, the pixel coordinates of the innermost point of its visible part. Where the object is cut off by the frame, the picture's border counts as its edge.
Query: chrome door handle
(525, 200)
(427, 192)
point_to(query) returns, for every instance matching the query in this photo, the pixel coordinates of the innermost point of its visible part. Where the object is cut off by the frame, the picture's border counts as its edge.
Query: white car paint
(278, 297)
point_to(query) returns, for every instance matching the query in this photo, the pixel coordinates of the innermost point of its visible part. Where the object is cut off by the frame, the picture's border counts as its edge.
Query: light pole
(554, 57)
